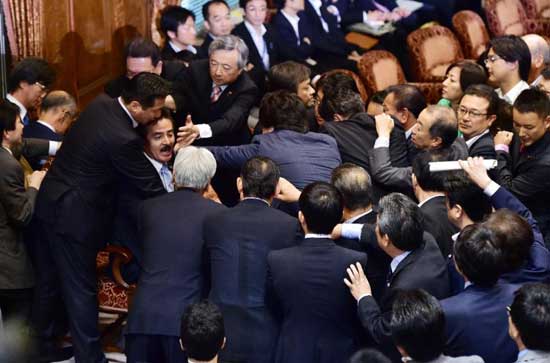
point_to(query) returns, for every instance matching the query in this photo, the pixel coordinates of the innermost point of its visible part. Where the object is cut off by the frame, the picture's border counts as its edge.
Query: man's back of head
(142, 55)
(465, 201)
(259, 178)
(340, 105)
(320, 208)
(202, 333)
(422, 176)
(404, 102)
(194, 167)
(540, 53)
(283, 110)
(58, 109)
(354, 183)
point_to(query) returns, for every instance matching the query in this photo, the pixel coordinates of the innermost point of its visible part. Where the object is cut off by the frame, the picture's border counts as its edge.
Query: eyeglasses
(463, 111)
(491, 59)
(40, 85)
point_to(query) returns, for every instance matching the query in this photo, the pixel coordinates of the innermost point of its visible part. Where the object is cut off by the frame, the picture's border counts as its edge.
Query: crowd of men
(315, 229)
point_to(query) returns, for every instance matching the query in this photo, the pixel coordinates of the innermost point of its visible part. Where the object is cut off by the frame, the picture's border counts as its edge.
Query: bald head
(58, 109)
(540, 54)
(354, 183)
(436, 127)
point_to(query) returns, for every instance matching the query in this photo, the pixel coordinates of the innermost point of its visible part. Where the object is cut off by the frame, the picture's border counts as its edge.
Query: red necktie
(216, 92)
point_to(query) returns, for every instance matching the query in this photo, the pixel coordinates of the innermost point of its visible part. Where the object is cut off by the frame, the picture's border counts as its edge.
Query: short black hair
(429, 181)
(512, 48)
(344, 102)
(165, 113)
(260, 176)
(533, 100)
(486, 92)
(369, 356)
(242, 3)
(172, 16)
(145, 88)
(418, 324)
(477, 256)
(142, 48)
(354, 183)
(409, 97)
(287, 76)
(333, 81)
(31, 70)
(283, 110)
(202, 331)
(206, 7)
(514, 236)
(322, 207)
(8, 116)
(400, 218)
(57, 99)
(471, 198)
(444, 124)
(530, 313)
(378, 97)
(470, 73)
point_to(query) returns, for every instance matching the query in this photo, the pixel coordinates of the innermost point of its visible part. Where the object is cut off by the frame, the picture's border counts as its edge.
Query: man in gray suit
(417, 326)
(529, 322)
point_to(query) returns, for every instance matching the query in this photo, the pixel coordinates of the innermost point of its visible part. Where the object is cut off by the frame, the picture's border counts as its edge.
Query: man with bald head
(540, 56)
(436, 128)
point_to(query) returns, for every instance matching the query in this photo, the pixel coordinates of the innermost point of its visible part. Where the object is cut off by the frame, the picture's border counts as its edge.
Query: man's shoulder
(240, 30)
(8, 162)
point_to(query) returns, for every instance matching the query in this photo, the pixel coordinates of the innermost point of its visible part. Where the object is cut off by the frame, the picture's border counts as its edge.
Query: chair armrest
(121, 256)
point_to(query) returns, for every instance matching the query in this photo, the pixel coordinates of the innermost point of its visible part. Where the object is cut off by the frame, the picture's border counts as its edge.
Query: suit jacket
(424, 268)
(169, 54)
(16, 211)
(101, 149)
(227, 116)
(291, 47)
(319, 322)
(379, 262)
(259, 72)
(175, 263)
(302, 157)
(437, 223)
(476, 323)
(525, 174)
(484, 146)
(238, 241)
(534, 356)
(38, 131)
(202, 51)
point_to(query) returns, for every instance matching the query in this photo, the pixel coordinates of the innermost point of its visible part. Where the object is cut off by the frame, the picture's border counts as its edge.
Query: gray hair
(231, 42)
(194, 167)
(59, 98)
(537, 46)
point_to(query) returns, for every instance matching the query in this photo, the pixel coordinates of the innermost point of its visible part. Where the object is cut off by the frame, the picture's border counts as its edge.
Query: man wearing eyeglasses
(476, 113)
(27, 85)
(508, 64)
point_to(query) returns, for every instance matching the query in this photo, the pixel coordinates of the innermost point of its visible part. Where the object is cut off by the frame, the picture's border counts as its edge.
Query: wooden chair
(471, 32)
(539, 10)
(432, 50)
(508, 17)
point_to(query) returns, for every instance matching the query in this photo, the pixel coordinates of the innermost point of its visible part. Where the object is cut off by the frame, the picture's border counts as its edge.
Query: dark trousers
(141, 348)
(76, 265)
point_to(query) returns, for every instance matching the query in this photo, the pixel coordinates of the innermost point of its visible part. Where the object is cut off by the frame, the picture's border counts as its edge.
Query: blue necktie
(26, 119)
(166, 176)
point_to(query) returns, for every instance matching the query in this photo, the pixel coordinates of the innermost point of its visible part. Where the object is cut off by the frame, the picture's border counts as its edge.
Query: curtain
(24, 27)
(158, 5)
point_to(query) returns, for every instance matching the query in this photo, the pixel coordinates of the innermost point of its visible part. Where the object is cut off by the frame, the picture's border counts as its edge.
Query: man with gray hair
(215, 96)
(174, 266)
(540, 56)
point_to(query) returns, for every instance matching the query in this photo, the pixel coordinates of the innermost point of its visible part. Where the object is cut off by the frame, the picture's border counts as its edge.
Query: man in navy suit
(238, 241)
(319, 320)
(217, 22)
(57, 113)
(476, 318)
(175, 265)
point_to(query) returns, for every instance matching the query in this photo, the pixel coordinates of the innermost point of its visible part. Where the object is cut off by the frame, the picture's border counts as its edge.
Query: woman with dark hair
(458, 77)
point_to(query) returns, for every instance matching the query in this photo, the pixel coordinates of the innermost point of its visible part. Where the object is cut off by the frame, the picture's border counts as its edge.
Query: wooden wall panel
(84, 40)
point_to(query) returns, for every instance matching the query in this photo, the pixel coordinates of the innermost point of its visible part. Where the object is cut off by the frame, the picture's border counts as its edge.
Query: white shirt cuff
(491, 189)
(365, 17)
(205, 131)
(362, 296)
(382, 142)
(53, 147)
(352, 230)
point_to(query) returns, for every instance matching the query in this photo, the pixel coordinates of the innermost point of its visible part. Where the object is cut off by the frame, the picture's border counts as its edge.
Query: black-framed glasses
(463, 111)
(492, 59)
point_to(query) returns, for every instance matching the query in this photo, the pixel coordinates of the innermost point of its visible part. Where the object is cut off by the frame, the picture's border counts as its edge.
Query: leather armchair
(539, 10)
(508, 17)
(471, 32)
(358, 82)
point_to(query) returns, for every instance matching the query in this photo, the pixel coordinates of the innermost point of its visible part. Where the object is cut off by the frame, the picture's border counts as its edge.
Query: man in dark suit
(57, 113)
(476, 113)
(476, 318)
(76, 202)
(354, 183)
(429, 189)
(16, 210)
(524, 157)
(177, 24)
(319, 321)
(238, 241)
(263, 50)
(175, 265)
(217, 22)
(416, 263)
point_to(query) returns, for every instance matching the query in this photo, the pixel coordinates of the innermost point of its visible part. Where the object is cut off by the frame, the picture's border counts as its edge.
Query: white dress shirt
(22, 109)
(259, 42)
(158, 166)
(177, 49)
(316, 4)
(472, 140)
(513, 93)
(293, 20)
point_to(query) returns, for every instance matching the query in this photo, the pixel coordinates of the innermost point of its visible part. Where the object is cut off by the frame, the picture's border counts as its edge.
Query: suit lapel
(253, 50)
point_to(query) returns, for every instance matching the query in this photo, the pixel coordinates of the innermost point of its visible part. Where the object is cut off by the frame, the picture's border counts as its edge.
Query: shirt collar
(22, 109)
(177, 49)
(472, 140)
(316, 3)
(430, 198)
(134, 123)
(408, 133)
(536, 81)
(316, 235)
(353, 219)
(44, 123)
(252, 30)
(513, 93)
(223, 87)
(256, 198)
(294, 19)
(454, 237)
(157, 164)
(397, 260)
(8, 149)
(523, 353)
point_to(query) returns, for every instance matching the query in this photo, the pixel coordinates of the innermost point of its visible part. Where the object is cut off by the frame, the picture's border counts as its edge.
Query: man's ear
(239, 185)
(158, 68)
(171, 34)
(301, 218)
(547, 122)
(436, 142)
(414, 181)
(134, 107)
(492, 119)
(403, 115)
(338, 117)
